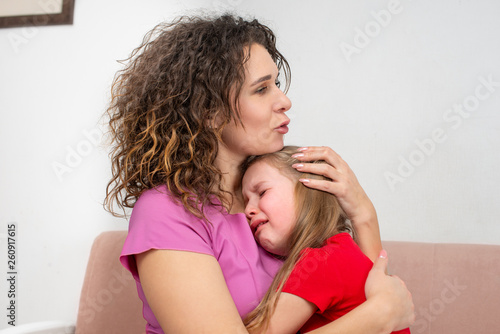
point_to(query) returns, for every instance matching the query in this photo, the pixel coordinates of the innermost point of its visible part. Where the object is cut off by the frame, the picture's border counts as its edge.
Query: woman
(196, 99)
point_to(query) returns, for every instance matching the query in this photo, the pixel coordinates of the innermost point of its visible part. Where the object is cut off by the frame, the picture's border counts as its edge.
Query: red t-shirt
(331, 277)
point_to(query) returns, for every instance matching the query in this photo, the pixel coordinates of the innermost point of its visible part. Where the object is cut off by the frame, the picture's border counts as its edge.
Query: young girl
(325, 271)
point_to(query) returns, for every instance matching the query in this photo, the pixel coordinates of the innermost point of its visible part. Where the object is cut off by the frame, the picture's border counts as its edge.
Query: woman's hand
(390, 294)
(388, 306)
(345, 186)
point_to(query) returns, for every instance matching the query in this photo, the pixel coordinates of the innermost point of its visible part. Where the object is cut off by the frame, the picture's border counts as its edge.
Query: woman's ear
(211, 123)
(214, 121)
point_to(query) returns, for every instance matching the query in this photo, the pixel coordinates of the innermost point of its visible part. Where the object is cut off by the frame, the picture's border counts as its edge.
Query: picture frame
(26, 13)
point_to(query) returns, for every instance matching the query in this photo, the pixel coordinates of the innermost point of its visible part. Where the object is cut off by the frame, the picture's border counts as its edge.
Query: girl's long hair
(319, 216)
(184, 77)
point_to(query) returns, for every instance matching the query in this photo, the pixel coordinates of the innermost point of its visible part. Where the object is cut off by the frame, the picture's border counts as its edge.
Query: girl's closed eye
(262, 192)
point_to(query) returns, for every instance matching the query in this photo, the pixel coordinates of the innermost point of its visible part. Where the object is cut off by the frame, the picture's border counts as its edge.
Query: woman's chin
(275, 147)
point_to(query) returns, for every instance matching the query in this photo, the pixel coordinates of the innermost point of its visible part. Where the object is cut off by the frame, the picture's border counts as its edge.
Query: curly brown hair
(173, 86)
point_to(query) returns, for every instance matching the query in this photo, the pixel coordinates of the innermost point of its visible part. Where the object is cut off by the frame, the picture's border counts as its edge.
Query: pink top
(158, 222)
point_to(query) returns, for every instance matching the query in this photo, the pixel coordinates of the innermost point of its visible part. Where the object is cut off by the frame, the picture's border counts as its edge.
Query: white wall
(398, 86)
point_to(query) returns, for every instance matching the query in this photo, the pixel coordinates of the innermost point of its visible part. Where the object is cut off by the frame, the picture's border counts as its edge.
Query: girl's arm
(290, 315)
(351, 196)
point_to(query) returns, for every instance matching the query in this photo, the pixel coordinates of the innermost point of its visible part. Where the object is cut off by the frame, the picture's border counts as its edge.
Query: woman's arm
(351, 196)
(187, 292)
(389, 307)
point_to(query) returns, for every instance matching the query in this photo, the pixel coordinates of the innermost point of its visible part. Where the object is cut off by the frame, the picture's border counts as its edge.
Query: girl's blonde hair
(319, 216)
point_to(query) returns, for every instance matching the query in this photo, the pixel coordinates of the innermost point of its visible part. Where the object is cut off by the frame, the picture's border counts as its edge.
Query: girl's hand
(345, 186)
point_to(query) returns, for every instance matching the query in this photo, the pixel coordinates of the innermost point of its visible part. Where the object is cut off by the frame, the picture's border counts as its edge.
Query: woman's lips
(283, 128)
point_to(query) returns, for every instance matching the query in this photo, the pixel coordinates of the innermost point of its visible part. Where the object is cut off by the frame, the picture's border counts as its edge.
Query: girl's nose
(250, 211)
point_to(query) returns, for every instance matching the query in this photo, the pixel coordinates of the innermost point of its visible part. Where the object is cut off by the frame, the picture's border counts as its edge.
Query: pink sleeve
(158, 222)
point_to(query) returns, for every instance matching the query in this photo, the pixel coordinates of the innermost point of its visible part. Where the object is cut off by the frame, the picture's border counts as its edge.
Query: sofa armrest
(45, 327)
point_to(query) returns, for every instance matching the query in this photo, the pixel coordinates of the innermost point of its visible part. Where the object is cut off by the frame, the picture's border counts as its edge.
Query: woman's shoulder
(160, 204)
(160, 221)
(155, 198)
(160, 200)
(158, 212)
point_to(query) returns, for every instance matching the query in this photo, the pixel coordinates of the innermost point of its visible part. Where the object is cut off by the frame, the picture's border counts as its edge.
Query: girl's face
(262, 106)
(270, 206)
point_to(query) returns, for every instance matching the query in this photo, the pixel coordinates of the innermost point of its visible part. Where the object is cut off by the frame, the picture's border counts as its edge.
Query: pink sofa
(455, 287)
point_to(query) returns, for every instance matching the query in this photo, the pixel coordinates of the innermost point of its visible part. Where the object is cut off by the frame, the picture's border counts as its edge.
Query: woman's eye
(261, 90)
(278, 83)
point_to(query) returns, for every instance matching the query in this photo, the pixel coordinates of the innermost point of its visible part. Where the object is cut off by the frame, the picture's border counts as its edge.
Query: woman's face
(262, 106)
(270, 206)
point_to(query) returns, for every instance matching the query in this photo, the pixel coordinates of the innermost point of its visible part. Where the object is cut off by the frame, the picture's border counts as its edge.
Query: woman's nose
(283, 103)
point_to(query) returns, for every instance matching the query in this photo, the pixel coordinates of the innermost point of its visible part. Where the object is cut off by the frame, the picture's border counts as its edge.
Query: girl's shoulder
(338, 248)
(340, 240)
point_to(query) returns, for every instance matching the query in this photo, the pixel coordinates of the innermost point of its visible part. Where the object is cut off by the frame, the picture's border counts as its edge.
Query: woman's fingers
(323, 185)
(320, 153)
(324, 169)
(340, 176)
(336, 184)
